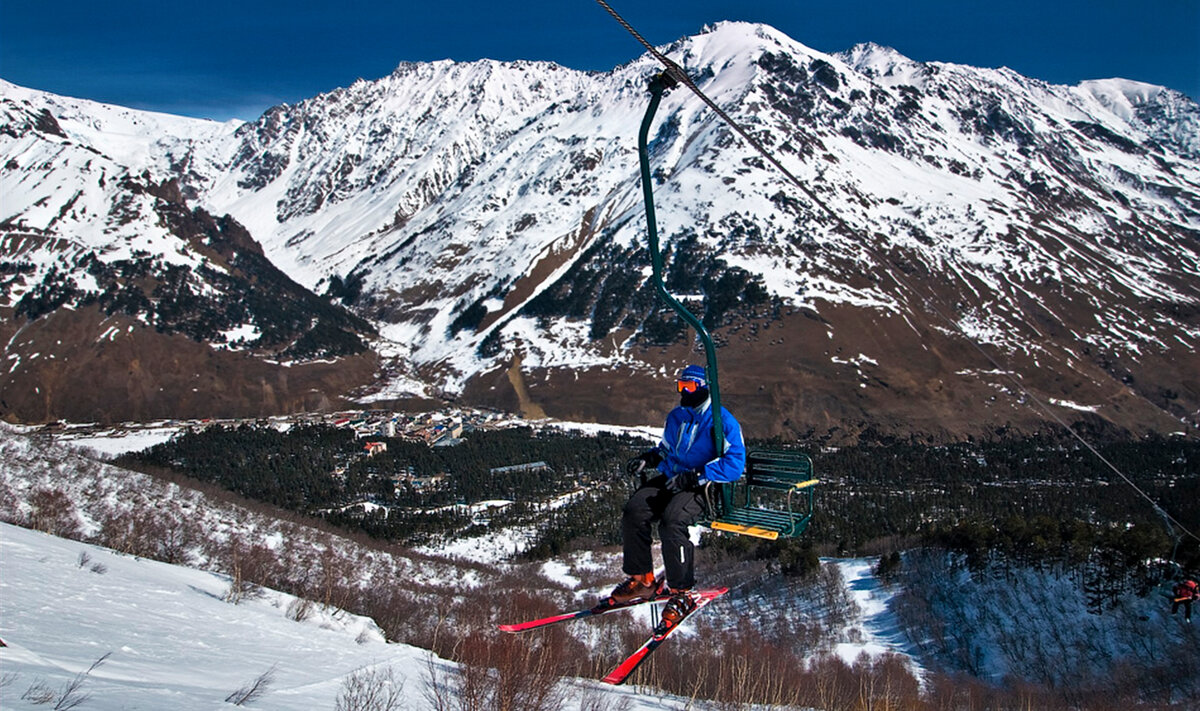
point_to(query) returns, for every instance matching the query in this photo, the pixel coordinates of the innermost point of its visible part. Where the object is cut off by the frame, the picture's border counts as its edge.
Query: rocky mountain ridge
(998, 240)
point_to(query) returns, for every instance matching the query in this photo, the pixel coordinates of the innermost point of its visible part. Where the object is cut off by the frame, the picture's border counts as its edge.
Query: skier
(685, 459)
(1183, 594)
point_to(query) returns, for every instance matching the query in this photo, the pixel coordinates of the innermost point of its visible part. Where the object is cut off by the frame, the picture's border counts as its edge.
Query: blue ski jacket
(687, 444)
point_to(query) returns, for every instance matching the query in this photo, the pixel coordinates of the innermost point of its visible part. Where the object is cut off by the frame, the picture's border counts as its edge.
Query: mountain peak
(882, 64)
(748, 38)
(1117, 91)
(1162, 113)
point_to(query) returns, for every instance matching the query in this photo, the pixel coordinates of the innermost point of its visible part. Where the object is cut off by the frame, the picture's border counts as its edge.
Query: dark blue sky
(222, 59)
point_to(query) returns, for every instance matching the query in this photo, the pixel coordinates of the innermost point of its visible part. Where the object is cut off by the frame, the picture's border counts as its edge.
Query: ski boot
(637, 587)
(678, 607)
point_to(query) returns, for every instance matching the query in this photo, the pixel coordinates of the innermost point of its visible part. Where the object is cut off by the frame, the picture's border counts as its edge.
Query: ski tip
(621, 674)
(509, 628)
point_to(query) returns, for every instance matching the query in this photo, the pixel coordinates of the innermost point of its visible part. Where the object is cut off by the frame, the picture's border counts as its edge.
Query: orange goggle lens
(687, 386)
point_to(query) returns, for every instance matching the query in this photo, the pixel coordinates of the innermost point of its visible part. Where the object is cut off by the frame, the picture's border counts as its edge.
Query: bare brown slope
(106, 369)
(853, 371)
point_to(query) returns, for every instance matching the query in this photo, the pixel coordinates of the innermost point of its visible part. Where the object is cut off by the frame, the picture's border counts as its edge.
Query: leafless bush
(178, 536)
(247, 565)
(150, 530)
(507, 672)
(437, 689)
(739, 668)
(71, 695)
(335, 576)
(53, 512)
(10, 506)
(254, 690)
(68, 697)
(399, 616)
(300, 609)
(85, 558)
(39, 694)
(371, 690)
(592, 699)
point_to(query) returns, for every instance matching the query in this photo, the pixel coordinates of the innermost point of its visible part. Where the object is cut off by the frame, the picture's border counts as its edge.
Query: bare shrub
(437, 689)
(739, 668)
(592, 699)
(72, 695)
(247, 565)
(85, 559)
(39, 693)
(371, 690)
(253, 690)
(733, 668)
(10, 506)
(507, 672)
(68, 697)
(149, 531)
(831, 684)
(53, 512)
(399, 616)
(177, 536)
(473, 680)
(300, 609)
(335, 580)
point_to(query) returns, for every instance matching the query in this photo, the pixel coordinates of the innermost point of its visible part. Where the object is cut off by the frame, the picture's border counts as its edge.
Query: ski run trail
(876, 629)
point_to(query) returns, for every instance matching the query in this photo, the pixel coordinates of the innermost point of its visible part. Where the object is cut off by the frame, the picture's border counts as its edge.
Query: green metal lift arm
(658, 85)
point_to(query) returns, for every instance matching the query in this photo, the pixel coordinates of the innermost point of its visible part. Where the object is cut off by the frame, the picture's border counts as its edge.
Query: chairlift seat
(763, 502)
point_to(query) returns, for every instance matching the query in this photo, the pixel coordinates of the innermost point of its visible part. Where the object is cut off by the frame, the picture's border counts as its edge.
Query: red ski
(603, 607)
(633, 661)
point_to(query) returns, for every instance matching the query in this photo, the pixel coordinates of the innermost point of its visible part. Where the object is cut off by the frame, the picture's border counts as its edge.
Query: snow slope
(172, 640)
(168, 640)
(876, 629)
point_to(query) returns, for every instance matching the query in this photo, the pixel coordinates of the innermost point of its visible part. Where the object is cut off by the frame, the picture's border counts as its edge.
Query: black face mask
(695, 399)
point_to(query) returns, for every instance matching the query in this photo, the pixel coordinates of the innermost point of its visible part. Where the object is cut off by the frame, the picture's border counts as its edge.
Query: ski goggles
(687, 386)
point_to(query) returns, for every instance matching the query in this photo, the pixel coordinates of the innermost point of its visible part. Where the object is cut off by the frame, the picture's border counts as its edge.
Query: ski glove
(683, 481)
(642, 462)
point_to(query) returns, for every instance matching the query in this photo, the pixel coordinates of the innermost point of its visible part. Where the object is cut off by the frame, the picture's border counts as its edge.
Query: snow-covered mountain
(996, 237)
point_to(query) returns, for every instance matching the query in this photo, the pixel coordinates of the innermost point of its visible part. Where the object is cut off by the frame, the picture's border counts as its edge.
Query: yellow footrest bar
(806, 484)
(744, 530)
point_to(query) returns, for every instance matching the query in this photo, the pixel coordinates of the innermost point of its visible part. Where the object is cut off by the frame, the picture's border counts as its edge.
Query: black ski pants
(653, 503)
